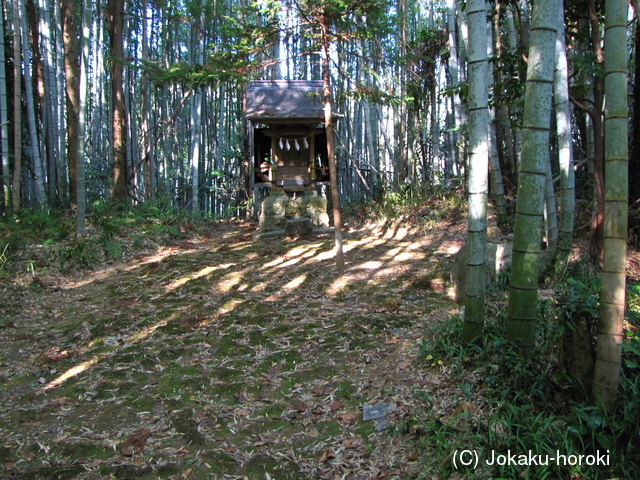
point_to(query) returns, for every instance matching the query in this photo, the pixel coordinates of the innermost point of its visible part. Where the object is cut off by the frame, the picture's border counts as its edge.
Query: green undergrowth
(418, 204)
(37, 241)
(531, 406)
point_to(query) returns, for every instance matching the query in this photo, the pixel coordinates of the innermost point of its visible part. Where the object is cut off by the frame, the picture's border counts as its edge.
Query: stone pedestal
(278, 208)
(298, 227)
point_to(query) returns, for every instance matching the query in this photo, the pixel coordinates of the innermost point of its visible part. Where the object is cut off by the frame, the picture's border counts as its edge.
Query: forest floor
(226, 357)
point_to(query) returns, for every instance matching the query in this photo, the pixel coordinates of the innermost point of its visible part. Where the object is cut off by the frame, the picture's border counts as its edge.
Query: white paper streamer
(295, 142)
(305, 143)
(281, 147)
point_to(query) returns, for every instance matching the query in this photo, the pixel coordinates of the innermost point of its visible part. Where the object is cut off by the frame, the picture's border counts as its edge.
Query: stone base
(280, 233)
(278, 207)
(298, 227)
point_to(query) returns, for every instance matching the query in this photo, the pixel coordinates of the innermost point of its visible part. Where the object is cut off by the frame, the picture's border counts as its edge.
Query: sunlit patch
(144, 333)
(72, 372)
(393, 252)
(193, 276)
(296, 282)
(229, 306)
(326, 255)
(299, 251)
(229, 281)
(78, 369)
(409, 256)
(370, 265)
(274, 263)
(258, 287)
(291, 262)
(340, 283)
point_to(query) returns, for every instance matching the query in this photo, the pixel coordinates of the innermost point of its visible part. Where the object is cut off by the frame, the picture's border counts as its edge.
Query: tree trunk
(36, 159)
(634, 160)
(71, 70)
(61, 157)
(551, 212)
(495, 171)
(115, 15)
(17, 110)
(596, 231)
(82, 127)
(4, 128)
(50, 101)
(478, 171)
(331, 153)
(565, 147)
(147, 159)
(612, 293)
(455, 81)
(523, 288)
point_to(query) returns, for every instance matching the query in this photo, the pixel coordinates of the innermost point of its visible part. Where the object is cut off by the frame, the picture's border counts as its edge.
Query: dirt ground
(226, 357)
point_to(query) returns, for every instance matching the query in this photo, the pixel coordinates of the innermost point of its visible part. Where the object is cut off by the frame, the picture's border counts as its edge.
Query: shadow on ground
(226, 358)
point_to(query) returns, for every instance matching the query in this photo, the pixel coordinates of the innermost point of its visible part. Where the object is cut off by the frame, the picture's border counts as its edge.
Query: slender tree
(336, 20)
(17, 110)
(34, 142)
(612, 293)
(82, 126)
(596, 115)
(4, 127)
(523, 288)
(565, 147)
(478, 170)
(71, 76)
(324, 22)
(115, 14)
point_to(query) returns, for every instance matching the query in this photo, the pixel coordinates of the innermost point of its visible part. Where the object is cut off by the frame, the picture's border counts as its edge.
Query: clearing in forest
(225, 357)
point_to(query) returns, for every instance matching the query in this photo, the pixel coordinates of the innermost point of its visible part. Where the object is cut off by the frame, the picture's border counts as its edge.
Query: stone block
(298, 227)
(272, 222)
(274, 205)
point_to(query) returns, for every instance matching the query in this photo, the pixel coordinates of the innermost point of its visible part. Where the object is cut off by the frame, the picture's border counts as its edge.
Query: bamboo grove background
(402, 89)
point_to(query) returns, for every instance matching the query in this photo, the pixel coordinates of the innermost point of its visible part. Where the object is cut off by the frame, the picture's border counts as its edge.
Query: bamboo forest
(320, 239)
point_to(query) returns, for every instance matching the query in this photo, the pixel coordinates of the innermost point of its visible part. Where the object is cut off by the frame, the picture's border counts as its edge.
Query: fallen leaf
(335, 405)
(126, 451)
(348, 417)
(313, 433)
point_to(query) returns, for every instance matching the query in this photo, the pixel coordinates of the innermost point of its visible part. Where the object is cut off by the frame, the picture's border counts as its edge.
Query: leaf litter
(228, 359)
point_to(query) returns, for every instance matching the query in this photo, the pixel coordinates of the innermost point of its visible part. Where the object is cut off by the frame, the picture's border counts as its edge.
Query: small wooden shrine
(288, 151)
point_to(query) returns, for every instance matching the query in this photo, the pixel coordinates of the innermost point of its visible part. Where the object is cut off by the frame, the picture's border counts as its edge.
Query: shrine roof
(296, 101)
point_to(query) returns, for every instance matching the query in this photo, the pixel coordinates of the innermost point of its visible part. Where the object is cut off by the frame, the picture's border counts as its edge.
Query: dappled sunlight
(369, 265)
(305, 251)
(409, 257)
(291, 262)
(328, 255)
(229, 281)
(236, 329)
(81, 367)
(296, 282)
(145, 332)
(274, 263)
(228, 306)
(339, 284)
(193, 276)
(369, 260)
(72, 372)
